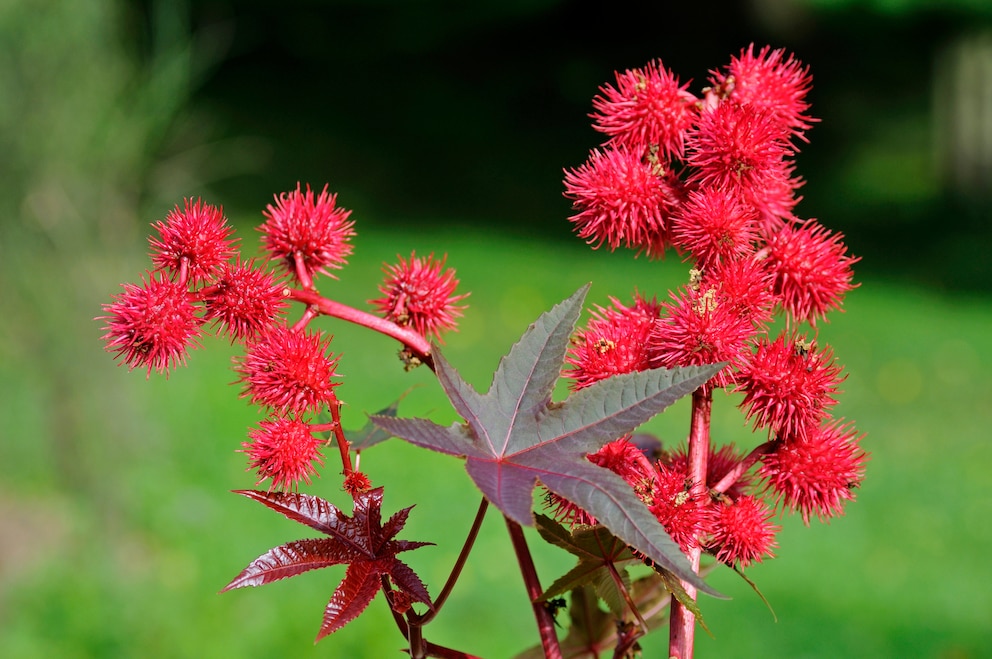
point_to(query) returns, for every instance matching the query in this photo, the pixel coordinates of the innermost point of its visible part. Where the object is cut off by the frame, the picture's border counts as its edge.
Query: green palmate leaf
(602, 560)
(370, 434)
(513, 437)
(675, 587)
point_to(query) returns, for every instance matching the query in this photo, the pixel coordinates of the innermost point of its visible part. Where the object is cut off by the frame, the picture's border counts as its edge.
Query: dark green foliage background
(446, 128)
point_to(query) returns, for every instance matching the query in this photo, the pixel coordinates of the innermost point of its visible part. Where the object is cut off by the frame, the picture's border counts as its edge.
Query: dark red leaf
(353, 595)
(291, 559)
(408, 581)
(514, 438)
(360, 540)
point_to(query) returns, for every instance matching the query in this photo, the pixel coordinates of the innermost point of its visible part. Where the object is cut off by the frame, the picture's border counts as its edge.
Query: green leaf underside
(675, 587)
(593, 629)
(371, 434)
(512, 438)
(754, 587)
(361, 541)
(602, 559)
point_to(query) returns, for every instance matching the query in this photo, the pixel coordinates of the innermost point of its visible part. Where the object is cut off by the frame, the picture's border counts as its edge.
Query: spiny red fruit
(772, 81)
(152, 326)
(307, 231)
(621, 199)
(289, 371)
(193, 242)
(742, 531)
(789, 385)
(816, 473)
(647, 108)
(811, 269)
(615, 341)
(419, 293)
(744, 285)
(736, 147)
(284, 450)
(684, 515)
(244, 300)
(715, 225)
(698, 328)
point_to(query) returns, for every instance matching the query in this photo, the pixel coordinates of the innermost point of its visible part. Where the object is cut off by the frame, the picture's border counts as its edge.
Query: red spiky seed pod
(307, 233)
(193, 242)
(289, 371)
(152, 326)
(419, 293)
(284, 450)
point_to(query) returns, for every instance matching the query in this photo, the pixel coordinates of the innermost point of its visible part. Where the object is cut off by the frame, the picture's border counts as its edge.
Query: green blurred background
(445, 126)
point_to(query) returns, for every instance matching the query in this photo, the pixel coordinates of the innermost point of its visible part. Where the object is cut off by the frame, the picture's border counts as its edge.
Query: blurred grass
(118, 548)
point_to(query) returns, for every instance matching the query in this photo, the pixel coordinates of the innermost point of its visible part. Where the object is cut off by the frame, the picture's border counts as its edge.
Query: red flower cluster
(713, 177)
(200, 278)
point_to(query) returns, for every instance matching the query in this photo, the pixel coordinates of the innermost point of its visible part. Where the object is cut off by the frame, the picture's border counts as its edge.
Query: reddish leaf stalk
(631, 604)
(682, 623)
(545, 623)
(417, 344)
(344, 445)
(738, 470)
(456, 570)
(302, 273)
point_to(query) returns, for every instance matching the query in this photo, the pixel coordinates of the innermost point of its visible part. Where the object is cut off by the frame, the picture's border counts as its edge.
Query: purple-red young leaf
(454, 440)
(314, 512)
(407, 580)
(291, 559)
(595, 415)
(360, 541)
(352, 596)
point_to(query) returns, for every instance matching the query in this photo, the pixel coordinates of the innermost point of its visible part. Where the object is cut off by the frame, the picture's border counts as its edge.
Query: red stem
(446, 653)
(682, 623)
(344, 446)
(545, 622)
(738, 469)
(416, 343)
(456, 570)
(302, 273)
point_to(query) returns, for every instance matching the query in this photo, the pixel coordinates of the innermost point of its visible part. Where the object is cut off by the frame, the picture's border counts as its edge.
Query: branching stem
(417, 344)
(545, 622)
(344, 446)
(682, 623)
(456, 570)
(738, 469)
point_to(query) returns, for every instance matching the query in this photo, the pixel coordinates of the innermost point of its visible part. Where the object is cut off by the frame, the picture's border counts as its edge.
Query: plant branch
(416, 343)
(344, 446)
(738, 470)
(682, 623)
(456, 570)
(302, 273)
(545, 622)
